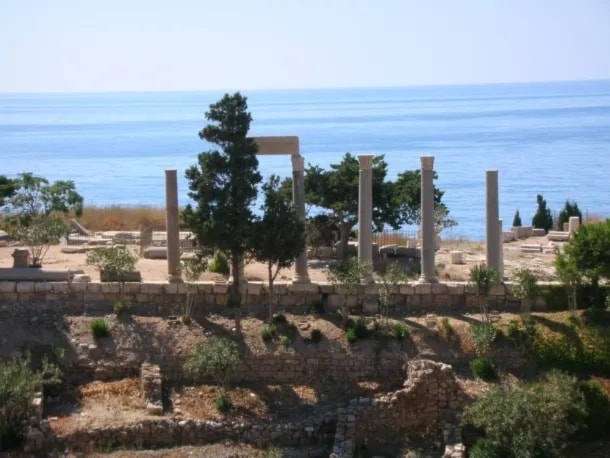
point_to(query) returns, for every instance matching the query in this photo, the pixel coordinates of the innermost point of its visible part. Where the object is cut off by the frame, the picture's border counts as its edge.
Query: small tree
(39, 235)
(224, 186)
(570, 209)
(115, 262)
(482, 280)
(8, 187)
(517, 219)
(387, 286)
(525, 288)
(571, 277)
(543, 219)
(280, 235)
(346, 276)
(191, 269)
(216, 359)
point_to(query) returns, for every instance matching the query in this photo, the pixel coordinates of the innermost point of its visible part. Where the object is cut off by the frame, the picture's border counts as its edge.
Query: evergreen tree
(280, 234)
(224, 186)
(570, 209)
(543, 218)
(517, 219)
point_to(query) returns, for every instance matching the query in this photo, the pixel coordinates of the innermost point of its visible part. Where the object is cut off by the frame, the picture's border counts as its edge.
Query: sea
(543, 138)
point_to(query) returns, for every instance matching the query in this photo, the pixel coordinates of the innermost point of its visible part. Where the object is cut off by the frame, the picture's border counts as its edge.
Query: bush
(445, 330)
(597, 421)
(280, 318)
(360, 329)
(217, 359)
(99, 328)
(543, 219)
(528, 420)
(284, 341)
(219, 264)
(116, 261)
(317, 308)
(589, 251)
(316, 335)
(268, 332)
(525, 287)
(483, 336)
(223, 403)
(482, 279)
(122, 307)
(483, 369)
(18, 385)
(350, 335)
(400, 331)
(517, 219)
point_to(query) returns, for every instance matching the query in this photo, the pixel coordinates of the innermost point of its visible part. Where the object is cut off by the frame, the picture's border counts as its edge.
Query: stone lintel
(278, 145)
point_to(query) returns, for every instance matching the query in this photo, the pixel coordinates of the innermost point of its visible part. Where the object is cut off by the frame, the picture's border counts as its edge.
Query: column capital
(427, 162)
(298, 163)
(366, 161)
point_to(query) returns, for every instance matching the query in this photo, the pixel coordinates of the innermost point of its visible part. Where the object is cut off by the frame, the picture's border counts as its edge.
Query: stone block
(538, 232)
(457, 257)
(42, 287)
(255, 288)
(78, 287)
(423, 288)
(407, 289)
(439, 288)
(558, 236)
(497, 290)
(8, 286)
(205, 287)
(25, 287)
(155, 252)
(61, 287)
(370, 306)
(310, 288)
(170, 288)
(220, 288)
(151, 288)
(455, 289)
(110, 288)
(132, 287)
(142, 298)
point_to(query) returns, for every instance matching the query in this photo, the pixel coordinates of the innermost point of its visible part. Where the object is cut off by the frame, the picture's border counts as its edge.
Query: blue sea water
(548, 138)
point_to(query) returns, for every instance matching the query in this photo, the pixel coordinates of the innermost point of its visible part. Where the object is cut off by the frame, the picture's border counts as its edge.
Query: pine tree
(543, 219)
(517, 219)
(224, 186)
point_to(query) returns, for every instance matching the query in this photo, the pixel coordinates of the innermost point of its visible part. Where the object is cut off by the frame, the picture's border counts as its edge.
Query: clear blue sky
(150, 45)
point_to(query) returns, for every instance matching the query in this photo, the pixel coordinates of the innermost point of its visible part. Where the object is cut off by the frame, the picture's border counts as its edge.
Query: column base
(423, 279)
(301, 279)
(175, 278)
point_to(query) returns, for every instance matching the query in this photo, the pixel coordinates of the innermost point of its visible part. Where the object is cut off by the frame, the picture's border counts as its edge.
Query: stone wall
(161, 298)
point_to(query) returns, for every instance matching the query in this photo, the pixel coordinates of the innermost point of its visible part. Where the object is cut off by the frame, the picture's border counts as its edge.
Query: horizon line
(321, 88)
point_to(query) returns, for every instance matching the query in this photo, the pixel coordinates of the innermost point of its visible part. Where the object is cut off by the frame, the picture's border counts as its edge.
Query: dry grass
(128, 390)
(395, 238)
(592, 218)
(125, 218)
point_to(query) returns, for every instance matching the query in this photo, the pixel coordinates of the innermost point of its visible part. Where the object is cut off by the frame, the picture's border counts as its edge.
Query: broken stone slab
(74, 249)
(538, 232)
(508, 236)
(531, 248)
(99, 242)
(558, 236)
(403, 251)
(457, 257)
(523, 232)
(78, 227)
(155, 252)
(81, 278)
(34, 274)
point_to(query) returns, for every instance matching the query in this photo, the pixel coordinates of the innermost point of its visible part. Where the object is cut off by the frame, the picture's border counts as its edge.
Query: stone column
(501, 247)
(428, 234)
(301, 274)
(493, 215)
(172, 224)
(365, 210)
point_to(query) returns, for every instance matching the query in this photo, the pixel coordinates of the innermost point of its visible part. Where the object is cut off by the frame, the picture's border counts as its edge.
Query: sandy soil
(474, 252)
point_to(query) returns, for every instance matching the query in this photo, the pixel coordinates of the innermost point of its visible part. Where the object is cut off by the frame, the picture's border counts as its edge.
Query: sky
(155, 45)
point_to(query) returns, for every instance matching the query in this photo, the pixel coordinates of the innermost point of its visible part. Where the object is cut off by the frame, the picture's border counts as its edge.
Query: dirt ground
(474, 252)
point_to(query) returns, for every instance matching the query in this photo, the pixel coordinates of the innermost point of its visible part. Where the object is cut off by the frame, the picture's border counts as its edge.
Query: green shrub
(117, 262)
(482, 279)
(217, 359)
(400, 331)
(223, 403)
(99, 328)
(268, 332)
(219, 264)
(280, 318)
(525, 287)
(597, 421)
(483, 369)
(290, 330)
(350, 335)
(284, 341)
(528, 420)
(445, 330)
(122, 307)
(483, 336)
(360, 329)
(316, 335)
(484, 448)
(18, 384)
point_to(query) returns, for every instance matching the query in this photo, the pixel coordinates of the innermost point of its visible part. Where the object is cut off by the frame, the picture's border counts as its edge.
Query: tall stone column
(428, 234)
(301, 274)
(493, 215)
(365, 210)
(501, 247)
(172, 225)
